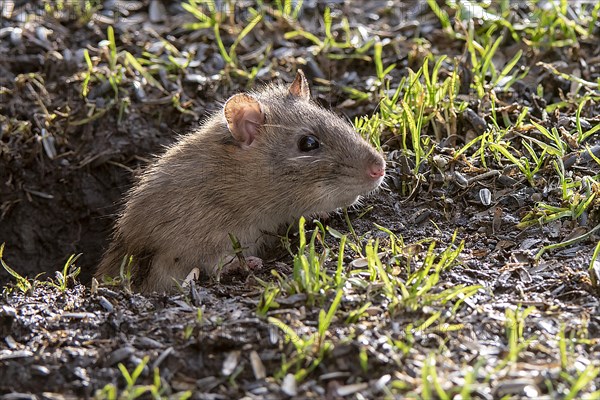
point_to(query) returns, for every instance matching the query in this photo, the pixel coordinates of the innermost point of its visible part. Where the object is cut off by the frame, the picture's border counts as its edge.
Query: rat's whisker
(305, 158)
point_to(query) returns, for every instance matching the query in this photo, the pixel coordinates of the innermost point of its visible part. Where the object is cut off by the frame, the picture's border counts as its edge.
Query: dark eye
(308, 143)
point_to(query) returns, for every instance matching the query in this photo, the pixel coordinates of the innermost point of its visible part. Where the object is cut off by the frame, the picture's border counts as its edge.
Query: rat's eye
(308, 143)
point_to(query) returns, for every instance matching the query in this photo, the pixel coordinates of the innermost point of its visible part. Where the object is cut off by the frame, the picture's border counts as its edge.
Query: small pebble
(289, 385)
(230, 363)
(16, 36)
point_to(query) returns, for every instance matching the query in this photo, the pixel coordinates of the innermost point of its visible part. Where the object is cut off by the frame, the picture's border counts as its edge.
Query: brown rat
(268, 158)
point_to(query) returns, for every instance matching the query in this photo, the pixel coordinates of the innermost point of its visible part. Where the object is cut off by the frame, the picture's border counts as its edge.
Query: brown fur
(208, 184)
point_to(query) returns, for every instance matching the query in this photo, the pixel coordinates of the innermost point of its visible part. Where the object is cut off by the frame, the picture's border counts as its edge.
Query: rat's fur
(208, 185)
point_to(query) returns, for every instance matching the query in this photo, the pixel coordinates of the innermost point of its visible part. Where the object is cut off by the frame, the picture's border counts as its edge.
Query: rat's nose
(376, 170)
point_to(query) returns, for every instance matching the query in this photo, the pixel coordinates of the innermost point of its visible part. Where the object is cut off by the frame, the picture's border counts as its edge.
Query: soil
(66, 160)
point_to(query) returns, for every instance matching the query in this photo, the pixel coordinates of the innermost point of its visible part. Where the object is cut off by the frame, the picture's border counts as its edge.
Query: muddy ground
(66, 160)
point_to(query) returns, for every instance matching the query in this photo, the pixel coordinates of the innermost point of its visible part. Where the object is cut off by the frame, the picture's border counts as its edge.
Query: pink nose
(376, 171)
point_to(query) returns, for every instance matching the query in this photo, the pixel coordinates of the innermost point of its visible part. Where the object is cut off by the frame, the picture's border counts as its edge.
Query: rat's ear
(299, 88)
(244, 117)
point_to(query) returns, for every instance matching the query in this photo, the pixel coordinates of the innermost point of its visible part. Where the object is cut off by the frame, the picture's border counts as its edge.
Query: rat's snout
(376, 171)
(376, 168)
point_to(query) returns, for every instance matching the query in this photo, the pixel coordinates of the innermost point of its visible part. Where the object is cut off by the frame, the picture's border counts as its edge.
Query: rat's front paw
(240, 267)
(253, 263)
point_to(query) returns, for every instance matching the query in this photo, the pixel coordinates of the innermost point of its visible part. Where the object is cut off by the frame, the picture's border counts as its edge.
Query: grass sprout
(419, 287)
(515, 327)
(133, 390)
(67, 276)
(309, 274)
(310, 350)
(22, 283)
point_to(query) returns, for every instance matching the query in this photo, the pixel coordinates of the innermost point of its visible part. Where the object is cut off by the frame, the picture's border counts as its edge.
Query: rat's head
(314, 161)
